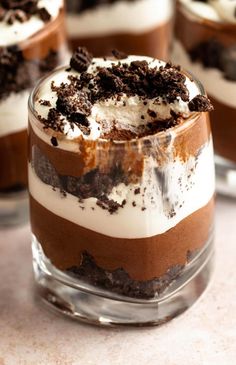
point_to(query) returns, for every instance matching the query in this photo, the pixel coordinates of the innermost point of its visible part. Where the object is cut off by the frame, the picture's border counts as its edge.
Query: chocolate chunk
(109, 82)
(118, 54)
(81, 59)
(44, 14)
(54, 141)
(45, 102)
(152, 113)
(200, 104)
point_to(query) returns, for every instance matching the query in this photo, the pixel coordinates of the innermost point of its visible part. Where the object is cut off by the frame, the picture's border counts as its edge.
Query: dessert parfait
(134, 26)
(121, 181)
(32, 43)
(206, 45)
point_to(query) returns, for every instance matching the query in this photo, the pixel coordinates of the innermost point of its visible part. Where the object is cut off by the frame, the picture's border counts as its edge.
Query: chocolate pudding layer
(133, 26)
(32, 43)
(206, 41)
(13, 167)
(119, 150)
(143, 266)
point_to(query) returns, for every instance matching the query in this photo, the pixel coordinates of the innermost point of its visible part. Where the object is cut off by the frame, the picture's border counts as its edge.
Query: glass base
(93, 305)
(225, 177)
(14, 208)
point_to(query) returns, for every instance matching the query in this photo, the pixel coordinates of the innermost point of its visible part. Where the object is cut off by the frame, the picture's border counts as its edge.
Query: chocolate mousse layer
(21, 65)
(154, 43)
(121, 172)
(13, 152)
(211, 45)
(147, 262)
(224, 130)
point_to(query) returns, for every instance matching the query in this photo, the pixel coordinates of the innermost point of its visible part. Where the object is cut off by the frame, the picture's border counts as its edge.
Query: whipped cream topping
(13, 111)
(129, 112)
(215, 10)
(120, 17)
(20, 31)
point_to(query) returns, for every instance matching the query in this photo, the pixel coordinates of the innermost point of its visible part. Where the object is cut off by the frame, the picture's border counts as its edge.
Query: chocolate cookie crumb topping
(95, 89)
(44, 15)
(45, 102)
(22, 10)
(81, 59)
(200, 104)
(54, 141)
(118, 54)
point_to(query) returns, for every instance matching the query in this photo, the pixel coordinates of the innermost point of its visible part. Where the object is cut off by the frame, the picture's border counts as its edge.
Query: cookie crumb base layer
(85, 303)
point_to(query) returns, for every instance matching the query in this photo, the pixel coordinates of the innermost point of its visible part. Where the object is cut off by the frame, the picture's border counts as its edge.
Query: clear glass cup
(21, 65)
(141, 27)
(140, 257)
(207, 48)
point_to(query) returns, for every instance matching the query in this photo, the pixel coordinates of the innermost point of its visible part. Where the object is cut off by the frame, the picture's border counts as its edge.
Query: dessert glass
(140, 27)
(207, 48)
(122, 232)
(21, 65)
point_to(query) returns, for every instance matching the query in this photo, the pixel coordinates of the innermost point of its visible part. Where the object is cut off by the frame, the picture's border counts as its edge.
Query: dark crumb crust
(76, 98)
(22, 10)
(93, 184)
(18, 74)
(78, 6)
(119, 281)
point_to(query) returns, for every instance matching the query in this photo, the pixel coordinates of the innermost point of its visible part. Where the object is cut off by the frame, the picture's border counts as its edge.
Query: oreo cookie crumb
(54, 141)
(118, 54)
(44, 15)
(22, 10)
(137, 191)
(45, 102)
(81, 59)
(200, 104)
(119, 281)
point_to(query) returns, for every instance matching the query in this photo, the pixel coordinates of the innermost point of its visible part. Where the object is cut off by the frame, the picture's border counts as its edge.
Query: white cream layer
(18, 32)
(216, 85)
(121, 17)
(14, 113)
(132, 222)
(127, 117)
(215, 10)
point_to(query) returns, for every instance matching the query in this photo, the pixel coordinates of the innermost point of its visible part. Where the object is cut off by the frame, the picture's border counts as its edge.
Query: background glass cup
(21, 65)
(207, 48)
(110, 261)
(141, 27)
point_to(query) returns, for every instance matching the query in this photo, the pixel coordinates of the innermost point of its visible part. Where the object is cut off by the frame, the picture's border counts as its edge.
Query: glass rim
(208, 22)
(187, 123)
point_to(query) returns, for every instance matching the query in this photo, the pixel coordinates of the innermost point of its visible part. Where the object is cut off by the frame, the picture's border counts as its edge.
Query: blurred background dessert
(133, 26)
(206, 45)
(32, 43)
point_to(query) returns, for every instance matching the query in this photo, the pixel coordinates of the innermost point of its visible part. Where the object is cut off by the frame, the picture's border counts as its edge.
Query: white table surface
(32, 335)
